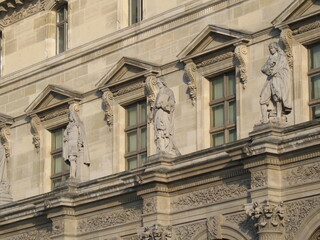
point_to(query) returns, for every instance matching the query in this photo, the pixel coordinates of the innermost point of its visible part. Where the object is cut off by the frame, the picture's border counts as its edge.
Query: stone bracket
(35, 129)
(107, 99)
(241, 60)
(193, 77)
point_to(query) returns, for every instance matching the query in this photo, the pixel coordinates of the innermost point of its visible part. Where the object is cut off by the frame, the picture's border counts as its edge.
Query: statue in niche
(276, 89)
(163, 119)
(4, 183)
(75, 149)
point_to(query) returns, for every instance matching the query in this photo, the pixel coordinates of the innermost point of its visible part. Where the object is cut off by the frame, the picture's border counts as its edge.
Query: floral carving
(214, 227)
(211, 195)
(245, 224)
(156, 231)
(192, 73)
(259, 179)
(216, 59)
(35, 125)
(241, 57)
(107, 98)
(286, 39)
(303, 174)
(297, 211)
(105, 220)
(57, 227)
(130, 88)
(307, 27)
(149, 205)
(188, 231)
(43, 234)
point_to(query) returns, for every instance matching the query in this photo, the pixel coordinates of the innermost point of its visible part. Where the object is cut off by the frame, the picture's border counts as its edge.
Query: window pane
(218, 139)
(316, 112)
(132, 141)
(61, 15)
(315, 87)
(143, 138)
(143, 112)
(143, 158)
(232, 135)
(58, 139)
(315, 56)
(132, 115)
(217, 87)
(132, 163)
(232, 112)
(61, 38)
(133, 11)
(57, 162)
(231, 84)
(218, 116)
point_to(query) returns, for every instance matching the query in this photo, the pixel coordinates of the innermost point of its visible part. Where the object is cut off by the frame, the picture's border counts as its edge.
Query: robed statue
(276, 89)
(163, 110)
(75, 151)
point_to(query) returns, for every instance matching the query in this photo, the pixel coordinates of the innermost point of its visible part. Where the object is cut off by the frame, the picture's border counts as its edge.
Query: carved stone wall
(188, 231)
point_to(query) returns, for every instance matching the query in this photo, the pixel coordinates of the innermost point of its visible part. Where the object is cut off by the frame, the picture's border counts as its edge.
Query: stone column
(269, 218)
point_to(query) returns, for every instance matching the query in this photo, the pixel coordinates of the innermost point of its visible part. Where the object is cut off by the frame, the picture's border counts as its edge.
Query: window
(135, 11)
(62, 28)
(60, 170)
(136, 135)
(223, 109)
(314, 75)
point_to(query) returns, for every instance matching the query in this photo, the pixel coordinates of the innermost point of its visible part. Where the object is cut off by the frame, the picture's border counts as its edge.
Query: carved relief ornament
(286, 39)
(5, 123)
(193, 75)
(156, 231)
(107, 99)
(35, 128)
(151, 89)
(241, 59)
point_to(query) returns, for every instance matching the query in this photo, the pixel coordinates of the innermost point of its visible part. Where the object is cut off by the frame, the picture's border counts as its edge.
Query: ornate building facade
(172, 119)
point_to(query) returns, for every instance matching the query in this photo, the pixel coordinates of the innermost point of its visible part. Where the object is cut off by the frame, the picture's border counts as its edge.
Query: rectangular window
(62, 28)
(314, 76)
(223, 109)
(135, 11)
(136, 135)
(60, 170)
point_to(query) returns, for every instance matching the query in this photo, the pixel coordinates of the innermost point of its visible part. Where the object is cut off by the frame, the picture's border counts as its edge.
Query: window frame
(312, 72)
(138, 127)
(65, 173)
(138, 12)
(64, 24)
(224, 100)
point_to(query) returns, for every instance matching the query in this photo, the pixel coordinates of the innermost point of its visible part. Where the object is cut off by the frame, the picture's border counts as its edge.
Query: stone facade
(261, 182)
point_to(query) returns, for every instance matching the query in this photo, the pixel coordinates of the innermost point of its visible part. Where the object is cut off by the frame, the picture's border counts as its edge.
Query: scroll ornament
(151, 90)
(192, 73)
(35, 125)
(241, 57)
(286, 39)
(107, 99)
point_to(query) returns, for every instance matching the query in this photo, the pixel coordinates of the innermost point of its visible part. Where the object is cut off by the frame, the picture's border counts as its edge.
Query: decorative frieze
(105, 220)
(297, 211)
(193, 75)
(149, 205)
(216, 59)
(107, 99)
(130, 88)
(303, 174)
(307, 27)
(211, 195)
(241, 59)
(156, 231)
(188, 231)
(259, 179)
(269, 218)
(43, 234)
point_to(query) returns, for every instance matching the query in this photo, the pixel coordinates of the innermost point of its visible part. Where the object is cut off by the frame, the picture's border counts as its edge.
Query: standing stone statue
(276, 89)
(4, 183)
(75, 149)
(163, 119)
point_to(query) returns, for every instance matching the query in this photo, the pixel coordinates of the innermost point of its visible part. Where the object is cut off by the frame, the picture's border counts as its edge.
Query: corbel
(241, 60)
(5, 123)
(35, 129)
(107, 99)
(286, 39)
(193, 74)
(151, 89)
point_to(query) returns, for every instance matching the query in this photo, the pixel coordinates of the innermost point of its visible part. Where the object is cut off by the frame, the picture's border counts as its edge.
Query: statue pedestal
(160, 157)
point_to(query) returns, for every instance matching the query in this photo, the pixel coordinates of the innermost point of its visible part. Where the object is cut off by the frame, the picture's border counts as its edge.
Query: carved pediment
(125, 70)
(51, 97)
(212, 38)
(298, 10)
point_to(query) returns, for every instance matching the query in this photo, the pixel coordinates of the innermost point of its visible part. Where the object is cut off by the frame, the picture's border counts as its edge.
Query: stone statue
(276, 89)
(4, 184)
(75, 149)
(163, 119)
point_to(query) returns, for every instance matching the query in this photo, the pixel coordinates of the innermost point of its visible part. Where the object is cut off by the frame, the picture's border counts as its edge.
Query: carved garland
(107, 99)
(286, 39)
(241, 59)
(307, 28)
(192, 73)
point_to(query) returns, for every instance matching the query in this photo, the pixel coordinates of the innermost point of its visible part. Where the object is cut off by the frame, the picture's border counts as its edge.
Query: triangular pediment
(298, 10)
(125, 70)
(51, 97)
(210, 39)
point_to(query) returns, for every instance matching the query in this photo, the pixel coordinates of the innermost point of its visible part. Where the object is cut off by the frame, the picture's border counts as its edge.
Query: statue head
(273, 47)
